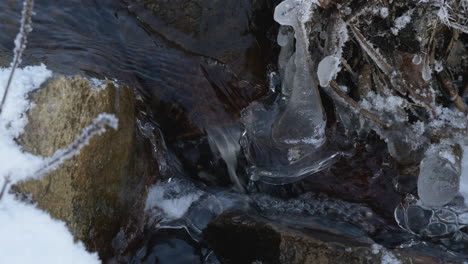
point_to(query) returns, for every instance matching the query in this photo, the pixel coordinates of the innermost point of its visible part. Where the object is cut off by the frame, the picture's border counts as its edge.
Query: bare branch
(371, 51)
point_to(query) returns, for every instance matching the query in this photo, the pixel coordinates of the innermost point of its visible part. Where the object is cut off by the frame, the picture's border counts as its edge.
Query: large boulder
(99, 192)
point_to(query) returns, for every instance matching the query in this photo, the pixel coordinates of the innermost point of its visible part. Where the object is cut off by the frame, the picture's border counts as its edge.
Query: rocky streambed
(194, 85)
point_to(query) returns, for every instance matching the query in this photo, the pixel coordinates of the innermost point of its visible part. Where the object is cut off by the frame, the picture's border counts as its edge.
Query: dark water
(195, 73)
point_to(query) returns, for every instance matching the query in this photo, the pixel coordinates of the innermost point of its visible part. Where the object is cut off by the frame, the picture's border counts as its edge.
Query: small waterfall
(225, 141)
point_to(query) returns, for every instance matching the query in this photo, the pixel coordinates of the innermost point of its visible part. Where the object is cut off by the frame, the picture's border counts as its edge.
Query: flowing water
(194, 74)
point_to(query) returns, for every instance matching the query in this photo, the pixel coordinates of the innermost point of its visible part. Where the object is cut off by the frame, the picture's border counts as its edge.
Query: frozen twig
(96, 128)
(5, 185)
(371, 51)
(20, 44)
(354, 104)
(455, 15)
(452, 92)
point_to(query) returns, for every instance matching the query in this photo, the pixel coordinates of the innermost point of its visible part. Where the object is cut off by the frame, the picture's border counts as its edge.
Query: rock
(219, 29)
(213, 62)
(241, 238)
(100, 191)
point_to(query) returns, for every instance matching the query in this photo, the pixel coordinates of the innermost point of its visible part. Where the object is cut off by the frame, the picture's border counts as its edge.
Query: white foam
(171, 199)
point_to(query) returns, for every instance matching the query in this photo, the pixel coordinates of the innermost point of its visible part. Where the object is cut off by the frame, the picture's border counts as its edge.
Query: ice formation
(303, 121)
(327, 70)
(439, 176)
(464, 175)
(283, 141)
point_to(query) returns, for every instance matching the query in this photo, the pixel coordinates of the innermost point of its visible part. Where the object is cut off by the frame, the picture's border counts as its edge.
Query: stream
(199, 70)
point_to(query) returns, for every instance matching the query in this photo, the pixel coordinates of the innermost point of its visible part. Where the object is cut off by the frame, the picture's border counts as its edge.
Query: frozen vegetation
(403, 96)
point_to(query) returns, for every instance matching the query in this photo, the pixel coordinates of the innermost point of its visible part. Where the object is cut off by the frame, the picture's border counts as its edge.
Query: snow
(438, 67)
(387, 257)
(447, 117)
(12, 120)
(28, 235)
(376, 249)
(401, 22)
(379, 103)
(384, 12)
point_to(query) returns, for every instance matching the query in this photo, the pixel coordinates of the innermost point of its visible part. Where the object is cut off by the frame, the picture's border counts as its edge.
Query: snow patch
(29, 235)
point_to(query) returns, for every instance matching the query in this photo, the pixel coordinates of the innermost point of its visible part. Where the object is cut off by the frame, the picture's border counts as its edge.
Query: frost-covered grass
(27, 234)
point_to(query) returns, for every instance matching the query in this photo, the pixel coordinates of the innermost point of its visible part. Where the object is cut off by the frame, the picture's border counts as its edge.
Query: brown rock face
(241, 238)
(98, 192)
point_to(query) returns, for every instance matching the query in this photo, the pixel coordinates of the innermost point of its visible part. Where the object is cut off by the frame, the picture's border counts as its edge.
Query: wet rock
(241, 238)
(99, 192)
(218, 29)
(212, 61)
(210, 66)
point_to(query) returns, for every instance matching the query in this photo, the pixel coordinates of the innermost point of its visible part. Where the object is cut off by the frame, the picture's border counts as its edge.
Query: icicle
(303, 121)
